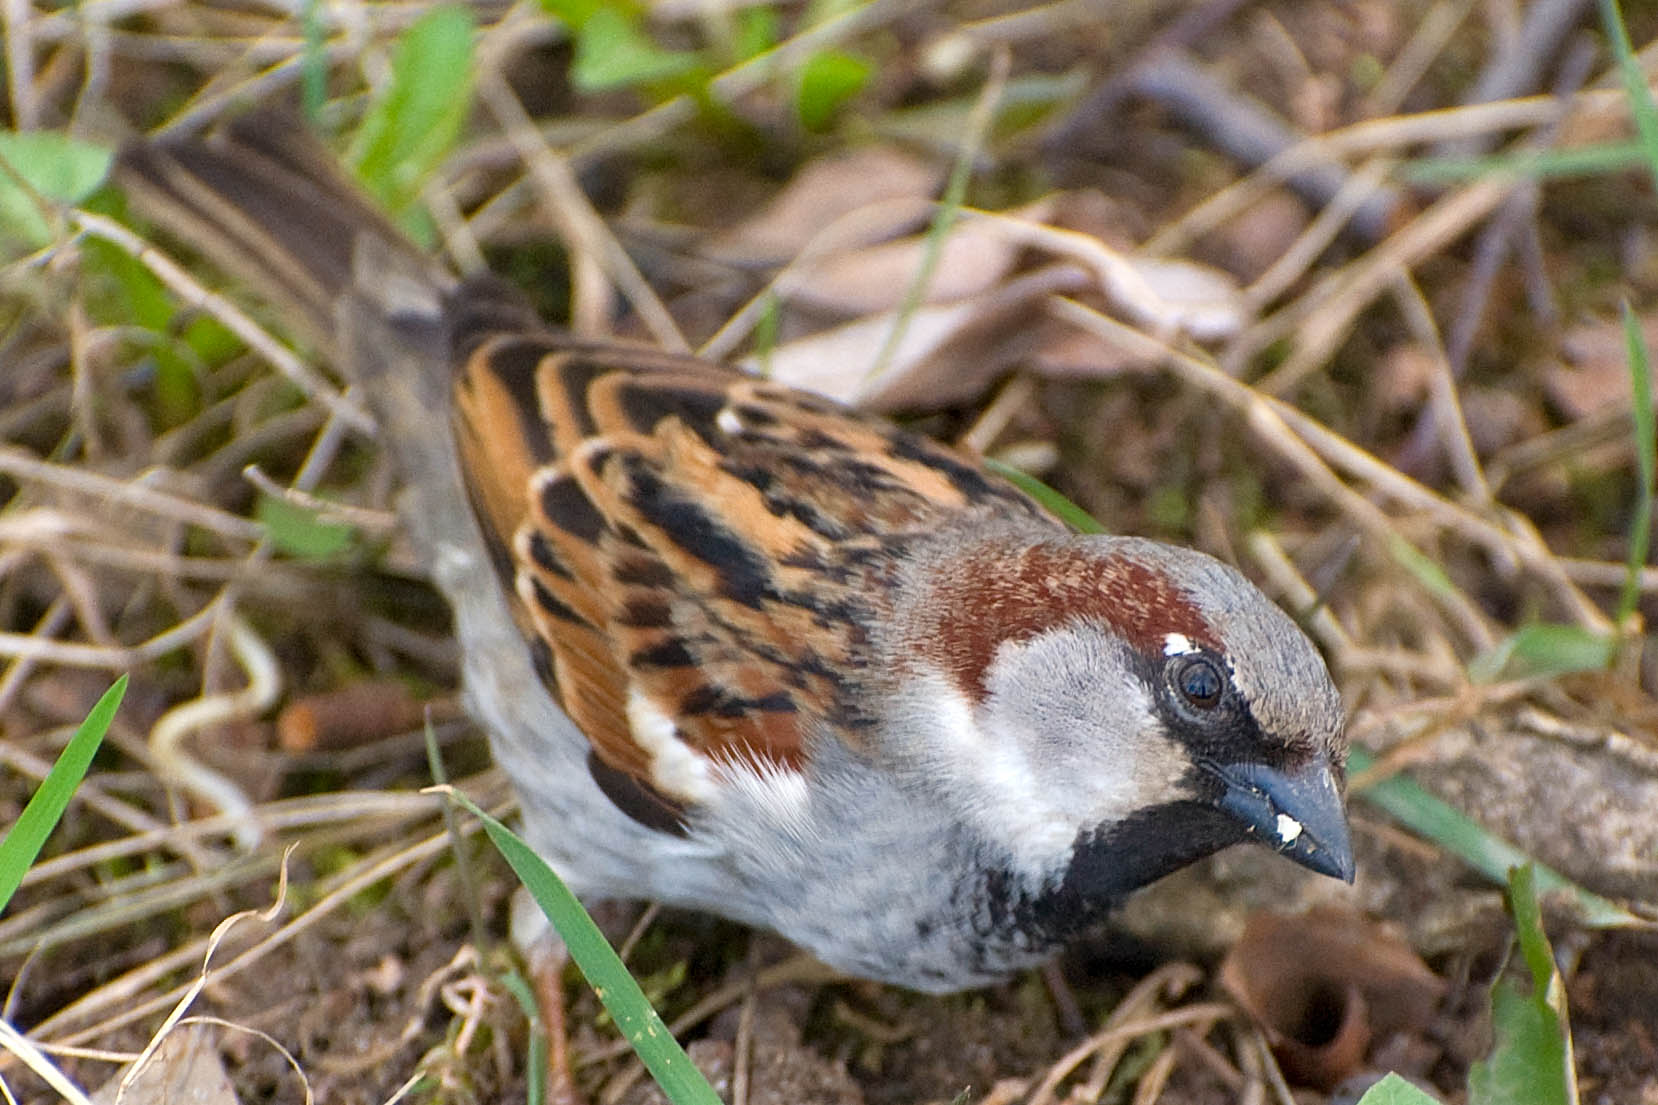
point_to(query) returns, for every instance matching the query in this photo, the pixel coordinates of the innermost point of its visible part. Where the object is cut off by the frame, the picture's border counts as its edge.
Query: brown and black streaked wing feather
(698, 555)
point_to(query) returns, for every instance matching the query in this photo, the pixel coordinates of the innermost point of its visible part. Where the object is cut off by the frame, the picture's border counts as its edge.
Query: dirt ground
(1392, 388)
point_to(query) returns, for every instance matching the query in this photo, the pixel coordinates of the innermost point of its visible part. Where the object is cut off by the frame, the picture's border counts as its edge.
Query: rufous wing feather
(699, 553)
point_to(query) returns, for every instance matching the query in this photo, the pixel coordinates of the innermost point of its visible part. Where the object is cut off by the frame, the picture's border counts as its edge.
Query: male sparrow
(747, 651)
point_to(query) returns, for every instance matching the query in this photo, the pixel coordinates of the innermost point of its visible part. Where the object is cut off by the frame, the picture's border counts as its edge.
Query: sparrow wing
(696, 559)
(698, 556)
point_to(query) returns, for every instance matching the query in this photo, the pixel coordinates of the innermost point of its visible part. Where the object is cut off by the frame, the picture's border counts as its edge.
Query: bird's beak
(1298, 813)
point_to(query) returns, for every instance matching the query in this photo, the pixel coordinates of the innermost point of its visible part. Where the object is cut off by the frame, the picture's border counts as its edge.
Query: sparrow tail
(264, 200)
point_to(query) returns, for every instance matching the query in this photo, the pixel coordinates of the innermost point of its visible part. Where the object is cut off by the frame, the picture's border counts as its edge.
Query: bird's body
(746, 651)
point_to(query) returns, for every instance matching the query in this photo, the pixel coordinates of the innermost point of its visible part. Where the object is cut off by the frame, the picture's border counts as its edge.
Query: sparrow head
(1112, 709)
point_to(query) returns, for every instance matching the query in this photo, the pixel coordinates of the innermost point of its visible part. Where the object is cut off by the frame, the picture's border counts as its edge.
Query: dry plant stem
(1517, 222)
(1517, 65)
(22, 762)
(44, 530)
(1631, 747)
(597, 258)
(1269, 1066)
(378, 522)
(1009, 400)
(1306, 444)
(1613, 426)
(20, 64)
(72, 655)
(1187, 1039)
(178, 768)
(1286, 579)
(1246, 130)
(1444, 404)
(82, 380)
(24, 468)
(1194, 23)
(264, 681)
(743, 1051)
(362, 809)
(1156, 1077)
(188, 997)
(1005, 1091)
(1604, 573)
(799, 969)
(1390, 134)
(1432, 34)
(1115, 274)
(853, 229)
(288, 1057)
(1059, 17)
(82, 595)
(1355, 191)
(130, 901)
(31, 1056)
(1513, 229)
(255, 337)
(50, 624)
(1166, 983)
(221, 96)
(1402, 731)
(1249, 1062)
(69, 26)
(1435, 670)
(117, 996)
(458, 240)
(1319, 321)
(647, 917)
(1108, 1045)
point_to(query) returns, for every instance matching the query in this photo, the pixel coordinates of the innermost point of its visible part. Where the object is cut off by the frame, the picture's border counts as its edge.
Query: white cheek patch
(676, 767)
(1287, 828)
(1178, 644)
(988, 773)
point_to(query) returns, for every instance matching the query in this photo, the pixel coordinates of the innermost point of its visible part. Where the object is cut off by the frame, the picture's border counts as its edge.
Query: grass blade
(603, 969)
(1490, 855)
(1394, 1090)
(1646, 461)
(24, 840)
(1531, 1057)
(1046, 497)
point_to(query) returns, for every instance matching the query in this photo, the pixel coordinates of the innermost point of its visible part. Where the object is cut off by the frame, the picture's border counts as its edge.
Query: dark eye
(1200, 682)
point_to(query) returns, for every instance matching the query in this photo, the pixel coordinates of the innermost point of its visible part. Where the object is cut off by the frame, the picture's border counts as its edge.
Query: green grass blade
(43, 166)
(603, 969)
(1641, 106)
(24, 840)
(313, 61)
(1531, 1055)
(1544, 649)
(1490, 855)
(1589, 161)
(1646, 461)
(409, 130)
(1046, 497)
(535, 1062)
(1394, 1090)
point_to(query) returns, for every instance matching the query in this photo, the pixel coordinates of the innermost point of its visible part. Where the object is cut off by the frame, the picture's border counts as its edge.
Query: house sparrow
(744, 650)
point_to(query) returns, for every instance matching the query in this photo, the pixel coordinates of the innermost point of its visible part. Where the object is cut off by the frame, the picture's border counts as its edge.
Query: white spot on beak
(1288, 828)
(1177, 644)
